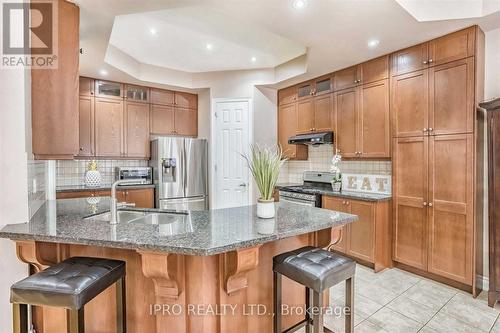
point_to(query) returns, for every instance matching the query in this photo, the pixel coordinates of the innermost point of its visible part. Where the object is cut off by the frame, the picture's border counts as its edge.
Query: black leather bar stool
(317, 270)
(70, 284)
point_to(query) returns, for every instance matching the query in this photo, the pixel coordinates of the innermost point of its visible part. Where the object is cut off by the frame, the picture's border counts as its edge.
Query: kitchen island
(208, 271)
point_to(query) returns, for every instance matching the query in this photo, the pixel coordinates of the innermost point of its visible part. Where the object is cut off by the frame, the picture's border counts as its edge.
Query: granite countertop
(103, 187)
(195, 233)
(343, 194)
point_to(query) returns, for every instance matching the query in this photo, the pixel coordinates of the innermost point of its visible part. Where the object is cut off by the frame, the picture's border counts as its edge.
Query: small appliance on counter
(144, 173)
(180, 173)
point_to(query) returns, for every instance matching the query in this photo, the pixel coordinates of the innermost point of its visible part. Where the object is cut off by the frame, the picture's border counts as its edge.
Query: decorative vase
(92, 175)
(265, 208)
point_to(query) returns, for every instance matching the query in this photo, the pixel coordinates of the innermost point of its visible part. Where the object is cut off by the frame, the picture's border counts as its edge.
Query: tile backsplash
(37, 173)
(70, 173)
(320, 159)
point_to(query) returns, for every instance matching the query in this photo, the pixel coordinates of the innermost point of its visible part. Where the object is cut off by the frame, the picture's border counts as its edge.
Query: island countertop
(197, 233)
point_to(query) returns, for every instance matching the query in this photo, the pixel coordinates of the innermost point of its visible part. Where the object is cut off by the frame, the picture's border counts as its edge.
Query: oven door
(297, 201)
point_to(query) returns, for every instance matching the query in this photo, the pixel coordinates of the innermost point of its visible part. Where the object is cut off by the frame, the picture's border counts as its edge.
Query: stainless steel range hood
(312, 138)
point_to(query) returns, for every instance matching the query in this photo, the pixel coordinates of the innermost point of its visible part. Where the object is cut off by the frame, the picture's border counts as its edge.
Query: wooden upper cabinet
(136, 93)
(451, 169)
(324, 117)
(451, 107)
(362, 233)
(287, 127)
(305, 116)
(305, 90)
(287, 95)
(346, 105)
(455, 46)
(410, 201)
(162, 97)
(346, 78)
(137, 129)
(410, 104)
(54, 93)
(109, 127)
(162, 120)
(86, 126)
(410, 60)
(108, 89)
(374, 132)
(186, 100)
(86, 86)
(374, 70)
(186, 122)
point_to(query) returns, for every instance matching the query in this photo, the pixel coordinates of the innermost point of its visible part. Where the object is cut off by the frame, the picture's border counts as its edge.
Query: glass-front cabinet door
(322, 86)
(108, 89)
(137, 93)
(305, 90)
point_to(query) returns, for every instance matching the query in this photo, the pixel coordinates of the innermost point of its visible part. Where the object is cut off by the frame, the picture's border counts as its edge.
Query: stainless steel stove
(308, 194)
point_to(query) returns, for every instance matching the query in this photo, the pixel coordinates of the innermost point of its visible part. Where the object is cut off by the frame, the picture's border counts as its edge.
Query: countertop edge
(78, 188)
(166, 248)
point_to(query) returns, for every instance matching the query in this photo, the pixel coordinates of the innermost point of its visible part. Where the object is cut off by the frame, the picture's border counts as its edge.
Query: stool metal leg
(318, 312)
(121, 306)
(20, 318)
(349, 303)
(277, 302)
(308, 308)
(76, 321)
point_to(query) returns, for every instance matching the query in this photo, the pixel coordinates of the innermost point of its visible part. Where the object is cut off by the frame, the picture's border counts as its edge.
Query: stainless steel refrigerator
(180, 173)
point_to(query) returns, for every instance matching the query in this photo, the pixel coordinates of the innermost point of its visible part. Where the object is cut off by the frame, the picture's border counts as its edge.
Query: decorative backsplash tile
(36, 185)
(73, 172)
(320, 160)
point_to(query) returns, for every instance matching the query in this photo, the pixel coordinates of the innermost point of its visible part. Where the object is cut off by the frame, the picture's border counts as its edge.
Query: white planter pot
(266, 226)
(265, 209)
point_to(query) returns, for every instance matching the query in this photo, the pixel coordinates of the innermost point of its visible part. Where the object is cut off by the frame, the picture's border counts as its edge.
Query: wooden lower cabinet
(369, 238)
(142, 197)
(433, 205)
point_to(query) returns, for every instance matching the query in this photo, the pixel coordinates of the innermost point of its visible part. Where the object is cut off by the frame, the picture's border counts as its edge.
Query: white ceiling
(335, 33)
(177, 38)
(432, 10)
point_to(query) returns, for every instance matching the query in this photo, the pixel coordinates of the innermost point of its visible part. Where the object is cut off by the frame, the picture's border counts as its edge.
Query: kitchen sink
(121, 216)
(168, 224)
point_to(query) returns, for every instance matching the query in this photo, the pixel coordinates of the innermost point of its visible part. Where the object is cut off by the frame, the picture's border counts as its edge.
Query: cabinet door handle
(430, 204)
(425, 130)
(425, 203)
(81, 148)
(343, 202)
(425, 62)
(431, 61)
(347, 203)
(431, 129)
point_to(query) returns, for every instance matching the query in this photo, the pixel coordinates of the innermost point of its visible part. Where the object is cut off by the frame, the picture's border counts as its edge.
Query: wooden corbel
(161, 268)
(40, 255)
(236, 266)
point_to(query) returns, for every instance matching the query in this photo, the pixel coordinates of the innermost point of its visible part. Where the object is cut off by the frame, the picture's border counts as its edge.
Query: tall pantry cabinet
(435, 88)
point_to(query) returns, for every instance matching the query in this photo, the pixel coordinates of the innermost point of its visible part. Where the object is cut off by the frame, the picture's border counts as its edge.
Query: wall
(14, 105)
(320, 160)
(70, 173)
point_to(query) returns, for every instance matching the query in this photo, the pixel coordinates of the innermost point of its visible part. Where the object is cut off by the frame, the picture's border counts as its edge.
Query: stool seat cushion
(314, 268)
(71, 284)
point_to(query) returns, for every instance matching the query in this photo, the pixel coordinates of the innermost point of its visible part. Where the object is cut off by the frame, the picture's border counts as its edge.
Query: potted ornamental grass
(265, 165)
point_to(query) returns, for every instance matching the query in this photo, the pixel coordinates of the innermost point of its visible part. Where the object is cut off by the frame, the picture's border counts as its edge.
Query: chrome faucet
(114, 202)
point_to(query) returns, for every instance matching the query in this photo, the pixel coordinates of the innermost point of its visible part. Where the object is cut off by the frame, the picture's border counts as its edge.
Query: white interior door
(232, 139)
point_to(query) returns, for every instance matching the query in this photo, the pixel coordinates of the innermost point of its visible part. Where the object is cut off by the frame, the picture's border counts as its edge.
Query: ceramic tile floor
(398, 301)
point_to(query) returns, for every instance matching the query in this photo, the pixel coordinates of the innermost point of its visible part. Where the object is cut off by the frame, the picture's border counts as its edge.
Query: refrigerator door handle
(184, 157)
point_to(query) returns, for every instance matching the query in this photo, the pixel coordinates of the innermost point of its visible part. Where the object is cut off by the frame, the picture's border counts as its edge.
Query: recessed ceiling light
(209, 46)
(103, 72)
(153, 31)
(253, 59)
(299, 4)
(373, 43)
